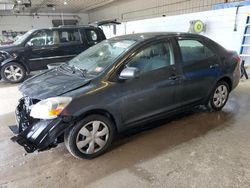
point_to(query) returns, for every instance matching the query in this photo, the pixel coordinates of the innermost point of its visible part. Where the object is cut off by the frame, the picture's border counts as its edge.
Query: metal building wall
(127, 10)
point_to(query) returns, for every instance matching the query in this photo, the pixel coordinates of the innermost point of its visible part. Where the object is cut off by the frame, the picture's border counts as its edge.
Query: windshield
(22, 38)
(97, 58)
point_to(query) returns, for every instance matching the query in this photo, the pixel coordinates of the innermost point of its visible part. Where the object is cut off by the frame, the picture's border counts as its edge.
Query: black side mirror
(129, 73)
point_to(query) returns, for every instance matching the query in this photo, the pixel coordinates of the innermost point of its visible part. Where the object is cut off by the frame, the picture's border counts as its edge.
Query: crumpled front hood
(50, 84)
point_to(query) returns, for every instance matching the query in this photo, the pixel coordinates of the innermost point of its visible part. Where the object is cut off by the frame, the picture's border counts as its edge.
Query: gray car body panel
(132, 102)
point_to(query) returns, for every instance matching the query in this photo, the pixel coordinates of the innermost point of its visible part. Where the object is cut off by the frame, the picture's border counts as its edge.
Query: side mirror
(129, 73)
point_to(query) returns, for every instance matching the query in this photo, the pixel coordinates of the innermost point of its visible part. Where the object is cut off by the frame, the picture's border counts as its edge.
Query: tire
(83, 143)
(13, 72)
(219, 96)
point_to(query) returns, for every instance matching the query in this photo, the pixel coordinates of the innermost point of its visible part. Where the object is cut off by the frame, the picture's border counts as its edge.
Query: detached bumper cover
(41, 135)
(28, 146)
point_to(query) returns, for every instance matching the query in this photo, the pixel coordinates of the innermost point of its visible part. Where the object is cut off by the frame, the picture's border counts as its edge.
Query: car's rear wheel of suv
(90, 137)
(219, 96)
(13, 72)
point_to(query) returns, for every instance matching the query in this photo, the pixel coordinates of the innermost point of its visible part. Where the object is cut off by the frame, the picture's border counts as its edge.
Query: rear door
(200, 67)
(71, 43)
(153, 93)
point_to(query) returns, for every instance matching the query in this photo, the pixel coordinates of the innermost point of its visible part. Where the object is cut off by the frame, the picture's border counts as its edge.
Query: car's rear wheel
(13, 72)
(90, 137)
(219, 96)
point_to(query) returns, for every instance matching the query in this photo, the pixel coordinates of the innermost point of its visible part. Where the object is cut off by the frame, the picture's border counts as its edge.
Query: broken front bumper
(36, 134)
(41, 135)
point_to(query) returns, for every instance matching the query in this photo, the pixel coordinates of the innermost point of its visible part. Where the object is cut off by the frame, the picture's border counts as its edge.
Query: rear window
(68, 36)
(92, 35)
(193, 50)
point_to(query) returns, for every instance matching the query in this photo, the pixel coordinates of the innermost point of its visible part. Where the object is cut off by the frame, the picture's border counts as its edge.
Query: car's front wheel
(90, 137)
(219, 96)
(13, 72)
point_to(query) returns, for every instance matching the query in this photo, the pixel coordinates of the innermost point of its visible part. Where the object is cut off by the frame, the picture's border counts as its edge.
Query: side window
(193, 50)
(69, 36)
(154, 57)
(41, 38)
(92, 35)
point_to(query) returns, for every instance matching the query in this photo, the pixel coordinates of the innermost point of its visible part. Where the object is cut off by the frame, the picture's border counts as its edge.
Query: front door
(42, 49)
(153, 92)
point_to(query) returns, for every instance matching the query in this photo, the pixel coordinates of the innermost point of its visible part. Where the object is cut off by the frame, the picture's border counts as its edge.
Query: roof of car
(76, 26)
(150, 35)
(67, 27)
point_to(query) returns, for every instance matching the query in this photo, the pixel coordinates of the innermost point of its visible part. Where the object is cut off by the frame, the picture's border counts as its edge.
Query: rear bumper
(41, 135)
(236, 77)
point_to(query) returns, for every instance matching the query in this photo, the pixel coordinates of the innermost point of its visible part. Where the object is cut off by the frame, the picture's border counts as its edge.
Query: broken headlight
(49, 108)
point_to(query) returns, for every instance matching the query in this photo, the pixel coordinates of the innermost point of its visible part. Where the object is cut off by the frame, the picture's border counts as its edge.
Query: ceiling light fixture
(65, 2)
(97, 5)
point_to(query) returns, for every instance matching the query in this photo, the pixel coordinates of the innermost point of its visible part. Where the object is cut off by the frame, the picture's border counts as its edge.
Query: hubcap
(92, 137)
(220, 96)
(13, 73)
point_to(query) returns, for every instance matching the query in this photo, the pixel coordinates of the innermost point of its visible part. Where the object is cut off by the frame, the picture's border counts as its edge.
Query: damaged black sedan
(119, 83)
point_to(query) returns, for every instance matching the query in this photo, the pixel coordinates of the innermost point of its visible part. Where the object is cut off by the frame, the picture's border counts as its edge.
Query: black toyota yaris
(119, 83)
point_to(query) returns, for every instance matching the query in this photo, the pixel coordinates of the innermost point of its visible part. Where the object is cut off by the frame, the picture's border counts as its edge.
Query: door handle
(214, 66)
(174, 77)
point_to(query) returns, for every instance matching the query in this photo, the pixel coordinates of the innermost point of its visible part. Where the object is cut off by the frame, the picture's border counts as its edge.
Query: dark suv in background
(39, 47)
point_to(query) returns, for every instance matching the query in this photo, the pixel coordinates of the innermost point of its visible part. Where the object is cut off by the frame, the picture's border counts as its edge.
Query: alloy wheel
(13, 73)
